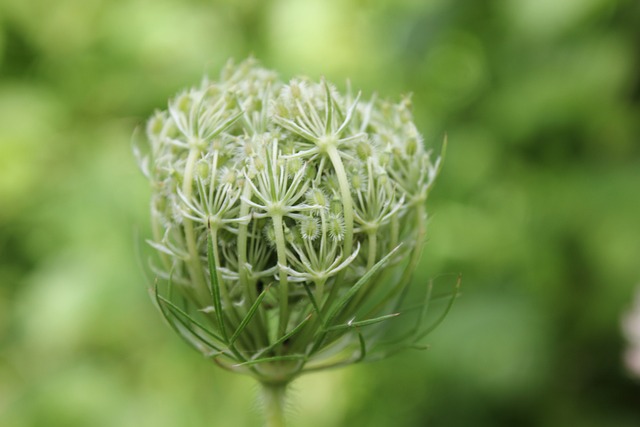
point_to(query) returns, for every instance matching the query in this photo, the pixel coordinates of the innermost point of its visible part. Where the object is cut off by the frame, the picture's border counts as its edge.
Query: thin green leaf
(363, 349)
(328, 107)
(182, 313)
(433, 298)
(350, 112)
(362, 354)
(425, 306)
(413, 332)
(361, 323)
(166, 315)
(285, 337)
(293, 127)
(170, 285)
(272, 359)
(342, 302)
(226, 124)
(420, 347)
(214, 286)
(172, 319)
(246, 119)
(425, 332)
(314, 302)
(379, 355)
(200, 185)
(215, 354)
(252, 310)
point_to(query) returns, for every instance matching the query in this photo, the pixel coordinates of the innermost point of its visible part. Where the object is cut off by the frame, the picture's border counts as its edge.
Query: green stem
(410, 268)
(345, 193)
(216, 257)
(320, 290)
(229, 308)
(193, 264)
(395, 232)
(284, 284)
(347, 206)
(260, 333)
(371, 261)
(373, 246)
(273, 399)
(250, 292)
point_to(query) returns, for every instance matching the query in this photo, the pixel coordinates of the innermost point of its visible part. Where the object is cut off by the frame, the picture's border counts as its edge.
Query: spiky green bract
(287, 220)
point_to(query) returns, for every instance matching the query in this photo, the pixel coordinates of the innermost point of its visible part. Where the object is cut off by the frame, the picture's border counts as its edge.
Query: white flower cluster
(287, 217)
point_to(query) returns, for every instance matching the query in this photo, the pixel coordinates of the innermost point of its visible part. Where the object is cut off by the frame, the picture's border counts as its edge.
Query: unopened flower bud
(275, 209)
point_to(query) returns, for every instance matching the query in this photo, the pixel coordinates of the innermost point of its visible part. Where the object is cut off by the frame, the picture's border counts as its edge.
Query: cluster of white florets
(272, 201)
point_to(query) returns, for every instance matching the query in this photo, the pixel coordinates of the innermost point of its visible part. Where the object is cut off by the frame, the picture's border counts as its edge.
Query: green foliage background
(538, 206)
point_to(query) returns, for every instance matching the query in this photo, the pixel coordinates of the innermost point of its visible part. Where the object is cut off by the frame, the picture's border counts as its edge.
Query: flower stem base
(273, 401)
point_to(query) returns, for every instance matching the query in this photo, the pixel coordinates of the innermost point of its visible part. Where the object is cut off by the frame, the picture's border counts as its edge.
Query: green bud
(309, 227)
(316, 196)
(267, 194)
(336, 206)
(203, 169)
(294, 165)
(364, 150)
(335, 226)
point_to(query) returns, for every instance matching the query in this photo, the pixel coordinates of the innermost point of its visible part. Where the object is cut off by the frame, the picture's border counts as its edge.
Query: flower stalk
(273, 400)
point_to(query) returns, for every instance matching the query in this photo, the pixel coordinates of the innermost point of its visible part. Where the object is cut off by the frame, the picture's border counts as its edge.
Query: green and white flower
(287, 218)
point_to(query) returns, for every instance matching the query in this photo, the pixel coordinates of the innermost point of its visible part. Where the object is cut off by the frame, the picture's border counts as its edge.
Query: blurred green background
(538, 206)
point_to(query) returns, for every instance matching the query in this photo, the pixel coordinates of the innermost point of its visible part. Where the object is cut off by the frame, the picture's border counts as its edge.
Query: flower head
(287, 218)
